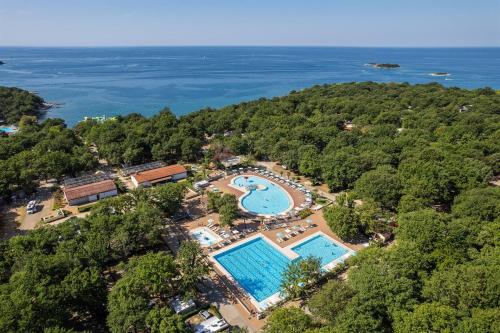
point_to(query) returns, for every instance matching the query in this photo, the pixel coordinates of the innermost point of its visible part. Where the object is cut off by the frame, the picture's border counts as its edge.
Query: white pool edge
(287, 252)
(246, 192)
(206, 229)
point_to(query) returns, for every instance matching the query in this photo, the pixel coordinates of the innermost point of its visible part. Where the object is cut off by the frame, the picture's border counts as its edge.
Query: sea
(101, 81)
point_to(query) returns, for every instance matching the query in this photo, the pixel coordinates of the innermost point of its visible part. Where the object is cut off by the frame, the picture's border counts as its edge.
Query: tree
(168, 197)
(439, 175)
(481, 203)
(158, 272)
(85, 291)
(149, 277)
(213, 200)
(225, 204)
(481, 320)
(16, 103)
(430, 317)
(299, 276)
(425, 228)
(191, 149)
(309, 163)
(27, 121)
(330, 301)
(342, 168)
(288, 320)
(343, 221)
(53, 278)
(465, 286)
(355, 320)
(128, 306)
(192, 265)
(373, 218)
(381, 185)
(162, 320)
(228, 213)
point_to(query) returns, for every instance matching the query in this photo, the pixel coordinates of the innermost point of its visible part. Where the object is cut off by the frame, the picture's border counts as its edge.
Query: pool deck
(242, 308)
(245, 305)
(286, 251)
(225, 186)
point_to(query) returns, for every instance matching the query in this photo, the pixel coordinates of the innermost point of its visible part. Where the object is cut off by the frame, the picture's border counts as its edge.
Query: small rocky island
(440, 74)
(375, 65)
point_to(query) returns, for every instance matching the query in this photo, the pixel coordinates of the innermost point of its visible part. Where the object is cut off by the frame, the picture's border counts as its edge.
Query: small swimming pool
(8, 129)
(258, 266)
(263, 197)
(205, 236)
(320, 247)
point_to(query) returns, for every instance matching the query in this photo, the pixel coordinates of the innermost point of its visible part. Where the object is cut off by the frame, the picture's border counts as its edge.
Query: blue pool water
(7, 129)
(205, 236)
(320, 247)
(267, 198)
(258, 266)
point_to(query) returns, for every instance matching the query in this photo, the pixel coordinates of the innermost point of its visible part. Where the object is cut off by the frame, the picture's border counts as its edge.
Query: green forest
(39, 152)
(16, 103)
(58, 279)
(420, 155)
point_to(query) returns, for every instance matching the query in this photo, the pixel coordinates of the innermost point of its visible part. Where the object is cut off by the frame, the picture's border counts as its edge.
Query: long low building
(160, 175)
(78, 195)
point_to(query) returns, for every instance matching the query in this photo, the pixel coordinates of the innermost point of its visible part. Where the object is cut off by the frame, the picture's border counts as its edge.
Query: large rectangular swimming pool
(258, 266)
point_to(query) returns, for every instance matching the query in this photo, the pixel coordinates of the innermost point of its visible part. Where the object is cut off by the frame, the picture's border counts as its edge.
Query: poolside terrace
(282, 231)
(293, 231)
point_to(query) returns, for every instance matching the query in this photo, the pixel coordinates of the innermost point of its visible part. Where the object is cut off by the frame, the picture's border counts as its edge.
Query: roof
(231, 161)
(201, 183)
(212, 324)
(84, 180)
(179, 305)
(159, 173)
(127, 171)
(89, 189)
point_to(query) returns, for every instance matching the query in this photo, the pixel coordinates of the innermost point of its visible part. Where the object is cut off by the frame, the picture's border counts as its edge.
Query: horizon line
(253, 45)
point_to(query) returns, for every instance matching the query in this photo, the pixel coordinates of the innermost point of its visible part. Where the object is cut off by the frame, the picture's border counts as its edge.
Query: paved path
(273, 166)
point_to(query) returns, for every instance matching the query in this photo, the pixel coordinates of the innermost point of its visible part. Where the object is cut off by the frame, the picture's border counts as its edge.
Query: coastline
(179, 78)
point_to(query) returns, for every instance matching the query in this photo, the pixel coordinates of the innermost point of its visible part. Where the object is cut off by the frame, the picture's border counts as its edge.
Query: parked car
(31, 207)
(205, 314)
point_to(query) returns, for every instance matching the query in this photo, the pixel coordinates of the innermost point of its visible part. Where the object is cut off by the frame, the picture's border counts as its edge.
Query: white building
(78, 195)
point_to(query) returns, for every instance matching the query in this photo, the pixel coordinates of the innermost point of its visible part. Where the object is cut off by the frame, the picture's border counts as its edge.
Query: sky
(404, 23)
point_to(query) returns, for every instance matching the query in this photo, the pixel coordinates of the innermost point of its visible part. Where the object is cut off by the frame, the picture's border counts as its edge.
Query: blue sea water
(112, 81)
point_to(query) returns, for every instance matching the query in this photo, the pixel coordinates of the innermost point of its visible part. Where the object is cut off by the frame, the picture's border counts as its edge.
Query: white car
(31, 207)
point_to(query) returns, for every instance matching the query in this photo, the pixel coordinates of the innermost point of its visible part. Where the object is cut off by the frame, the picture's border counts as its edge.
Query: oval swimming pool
(262, 197)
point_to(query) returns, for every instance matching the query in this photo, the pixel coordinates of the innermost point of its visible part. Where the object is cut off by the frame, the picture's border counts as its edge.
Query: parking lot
(44, 205)
(15, 218)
